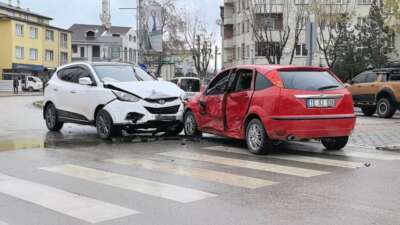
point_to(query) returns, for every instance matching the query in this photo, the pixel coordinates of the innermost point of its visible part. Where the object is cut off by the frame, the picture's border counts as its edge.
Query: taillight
(274, 77)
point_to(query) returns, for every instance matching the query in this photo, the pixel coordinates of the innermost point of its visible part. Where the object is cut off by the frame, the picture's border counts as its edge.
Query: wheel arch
(250, 117)
(96, 111)
(386, 92)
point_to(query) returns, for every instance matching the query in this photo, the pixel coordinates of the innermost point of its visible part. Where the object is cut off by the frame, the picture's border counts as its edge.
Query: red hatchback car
(264, 104)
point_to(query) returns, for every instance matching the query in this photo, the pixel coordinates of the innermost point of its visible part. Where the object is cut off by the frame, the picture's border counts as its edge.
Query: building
(29, 44)
(99, 43)
(239, 42)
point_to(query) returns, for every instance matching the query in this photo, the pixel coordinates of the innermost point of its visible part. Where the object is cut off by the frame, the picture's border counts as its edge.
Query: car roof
(268, 68)
(94, 64)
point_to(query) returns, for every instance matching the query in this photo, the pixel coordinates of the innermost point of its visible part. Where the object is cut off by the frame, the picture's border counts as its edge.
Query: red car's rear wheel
(256, 138)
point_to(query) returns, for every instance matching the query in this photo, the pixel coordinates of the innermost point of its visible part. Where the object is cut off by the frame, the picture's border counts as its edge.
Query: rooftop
(21, 10)
(79, 30)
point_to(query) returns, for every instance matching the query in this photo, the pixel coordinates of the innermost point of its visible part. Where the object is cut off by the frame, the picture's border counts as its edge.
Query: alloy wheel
(255, 136)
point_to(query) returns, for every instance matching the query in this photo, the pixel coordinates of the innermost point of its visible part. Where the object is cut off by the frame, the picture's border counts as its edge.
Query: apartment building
(29, 44)
(241, 47)
(97, 43)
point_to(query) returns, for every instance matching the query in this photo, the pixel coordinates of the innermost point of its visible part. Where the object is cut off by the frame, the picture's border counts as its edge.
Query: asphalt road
(73, 178)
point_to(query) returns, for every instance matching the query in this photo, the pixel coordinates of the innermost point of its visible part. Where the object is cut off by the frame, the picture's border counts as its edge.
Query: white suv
(112, 97)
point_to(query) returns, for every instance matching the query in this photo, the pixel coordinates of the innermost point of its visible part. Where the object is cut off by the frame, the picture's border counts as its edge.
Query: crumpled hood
(150, 89)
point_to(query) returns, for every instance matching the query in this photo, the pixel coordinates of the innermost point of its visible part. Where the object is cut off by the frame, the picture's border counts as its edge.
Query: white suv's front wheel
(51, 118)
(105, 126)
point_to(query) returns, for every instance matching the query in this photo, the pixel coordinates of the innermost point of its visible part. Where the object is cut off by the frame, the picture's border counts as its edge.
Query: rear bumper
(309, 127)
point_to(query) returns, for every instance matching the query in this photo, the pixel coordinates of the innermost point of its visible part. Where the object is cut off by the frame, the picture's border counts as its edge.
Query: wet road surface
(73, 178)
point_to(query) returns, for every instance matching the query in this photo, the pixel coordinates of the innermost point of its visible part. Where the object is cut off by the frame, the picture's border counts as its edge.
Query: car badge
(161, 101)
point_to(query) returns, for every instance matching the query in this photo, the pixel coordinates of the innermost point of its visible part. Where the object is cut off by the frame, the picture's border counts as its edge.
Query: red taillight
(274, 77)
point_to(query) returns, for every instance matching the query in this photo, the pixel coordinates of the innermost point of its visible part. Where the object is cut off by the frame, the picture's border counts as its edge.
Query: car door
(362, 87)
(238, 100)
(63, 89)
(85, 97)
(211, 103)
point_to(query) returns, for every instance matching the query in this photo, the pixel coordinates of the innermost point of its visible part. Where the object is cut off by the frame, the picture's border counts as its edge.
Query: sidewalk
(11, 94)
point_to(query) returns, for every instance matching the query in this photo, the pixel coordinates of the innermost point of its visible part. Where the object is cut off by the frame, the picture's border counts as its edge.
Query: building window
(301, 50)
(74, 49)
(19, 30)
(96, 51)
(238, 53)
(361, 21)
(49, 55)
(392, 40)
(34, 32)
(64, 40)
(64, 58)
(82, 52)
(130, 38)
(33, 54)
(364, 2)
(49, 35)
(267, 49)
(247, 51)
(19, 52)
(134, 39)
(243, 51)
(302, 2)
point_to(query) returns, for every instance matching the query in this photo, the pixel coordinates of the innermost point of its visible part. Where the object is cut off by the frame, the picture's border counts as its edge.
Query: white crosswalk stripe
(203, 174)
(153, 188)
(77, 206)
(268, 167)
(296, 158)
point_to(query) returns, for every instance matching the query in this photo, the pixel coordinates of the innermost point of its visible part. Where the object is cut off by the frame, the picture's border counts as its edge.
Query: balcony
(228, 43)
(228, 21)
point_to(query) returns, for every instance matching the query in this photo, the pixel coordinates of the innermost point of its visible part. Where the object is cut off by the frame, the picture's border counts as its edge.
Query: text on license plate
(321, 103)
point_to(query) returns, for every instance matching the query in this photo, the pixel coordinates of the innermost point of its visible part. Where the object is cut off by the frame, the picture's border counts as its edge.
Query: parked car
(264, 104)
(112, 97)
(377, 91)
(191, 85)
(31, 83)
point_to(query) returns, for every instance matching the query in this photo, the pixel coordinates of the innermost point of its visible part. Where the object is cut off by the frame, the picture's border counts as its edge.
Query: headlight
(122, 96)
(184, 97)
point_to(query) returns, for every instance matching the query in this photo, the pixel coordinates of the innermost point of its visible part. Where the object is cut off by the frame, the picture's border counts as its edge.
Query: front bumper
(137, 113)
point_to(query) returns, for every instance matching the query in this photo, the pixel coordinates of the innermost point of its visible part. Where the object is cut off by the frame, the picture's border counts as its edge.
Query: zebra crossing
(91, 210)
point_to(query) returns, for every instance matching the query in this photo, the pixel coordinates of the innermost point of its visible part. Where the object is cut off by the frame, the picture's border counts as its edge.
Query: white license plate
(321, 103)
(165, 118)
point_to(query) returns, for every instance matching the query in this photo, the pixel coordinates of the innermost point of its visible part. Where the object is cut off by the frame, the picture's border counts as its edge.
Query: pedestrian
(16, 85)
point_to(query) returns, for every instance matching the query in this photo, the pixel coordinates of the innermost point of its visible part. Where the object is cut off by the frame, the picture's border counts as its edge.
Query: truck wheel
(256, 138)
(335, 143)
(105, 126)
(51, 118)
(385, 108)
(368, 110)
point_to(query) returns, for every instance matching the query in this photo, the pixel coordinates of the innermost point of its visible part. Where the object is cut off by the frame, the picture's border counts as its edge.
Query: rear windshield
(190, 85)
(309, 80)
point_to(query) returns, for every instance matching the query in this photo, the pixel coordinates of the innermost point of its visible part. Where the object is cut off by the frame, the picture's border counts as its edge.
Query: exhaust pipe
(291, 138)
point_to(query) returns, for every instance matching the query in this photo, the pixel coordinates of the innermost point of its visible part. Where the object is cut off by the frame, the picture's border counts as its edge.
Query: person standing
(16, 85)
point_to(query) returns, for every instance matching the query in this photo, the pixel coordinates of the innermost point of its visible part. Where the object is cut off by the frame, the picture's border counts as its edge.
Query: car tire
(190, 125)
(105, 126)
(175, 130)
(30, 89)
(256, 138)
(335, 143)
(368, 110)
(51, 118)
(385, 108)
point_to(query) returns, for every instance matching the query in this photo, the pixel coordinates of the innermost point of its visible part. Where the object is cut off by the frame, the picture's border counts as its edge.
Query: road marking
(268, 167)
(77, 206)
(153, 188)
(203, 174)
(366, 155)
(296, 158)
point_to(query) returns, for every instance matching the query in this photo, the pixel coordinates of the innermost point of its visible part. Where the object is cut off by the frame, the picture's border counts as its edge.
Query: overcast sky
(68, 12)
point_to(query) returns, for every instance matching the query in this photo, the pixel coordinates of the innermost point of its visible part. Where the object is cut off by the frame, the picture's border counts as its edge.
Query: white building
(239, 44)
(96, 43)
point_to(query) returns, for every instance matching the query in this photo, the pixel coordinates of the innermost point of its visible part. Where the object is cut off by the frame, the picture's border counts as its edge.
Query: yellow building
(29, 44)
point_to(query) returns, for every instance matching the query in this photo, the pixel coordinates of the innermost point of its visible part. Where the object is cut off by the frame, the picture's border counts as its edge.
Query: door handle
(55, 89)
(72, 92)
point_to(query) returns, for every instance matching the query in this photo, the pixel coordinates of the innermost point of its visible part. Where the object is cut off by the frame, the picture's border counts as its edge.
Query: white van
(31, 83)
(191, 85)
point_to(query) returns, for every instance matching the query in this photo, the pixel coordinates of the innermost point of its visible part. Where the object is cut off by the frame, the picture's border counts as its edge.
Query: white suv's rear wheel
(105, 125)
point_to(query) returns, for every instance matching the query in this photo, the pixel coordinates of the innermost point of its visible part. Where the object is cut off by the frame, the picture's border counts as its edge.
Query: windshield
(309, 80)
(190, 85)
(123, 73)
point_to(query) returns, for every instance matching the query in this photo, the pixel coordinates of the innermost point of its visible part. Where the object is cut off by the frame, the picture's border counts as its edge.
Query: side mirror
(85, 81)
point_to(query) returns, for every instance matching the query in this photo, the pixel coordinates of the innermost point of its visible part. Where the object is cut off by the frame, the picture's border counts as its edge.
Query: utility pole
(216, 59)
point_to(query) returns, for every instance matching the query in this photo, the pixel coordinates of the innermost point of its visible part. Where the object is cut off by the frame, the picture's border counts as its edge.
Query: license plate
(321, 103)
(165, 118)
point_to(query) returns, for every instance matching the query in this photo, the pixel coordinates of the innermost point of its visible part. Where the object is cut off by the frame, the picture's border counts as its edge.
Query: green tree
(393, 7)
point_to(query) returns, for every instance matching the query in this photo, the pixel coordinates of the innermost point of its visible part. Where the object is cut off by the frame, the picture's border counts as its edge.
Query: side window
(372, 77)
(360, 78)
(244, 79)
(31, 79)
(218, 85)
(262, 82)
(69, 75)
(175, 81)
(395, 76)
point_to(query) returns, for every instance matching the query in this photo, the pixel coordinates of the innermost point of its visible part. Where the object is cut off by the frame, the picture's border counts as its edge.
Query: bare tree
(199, 41)
(301, 18)
(269, 22)
(333, 21)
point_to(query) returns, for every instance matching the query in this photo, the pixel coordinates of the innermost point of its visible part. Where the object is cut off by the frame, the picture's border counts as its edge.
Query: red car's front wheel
(190, 125)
